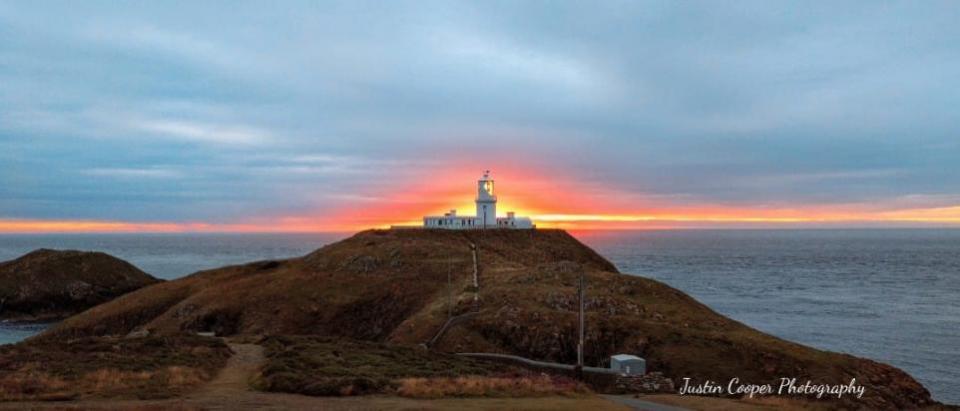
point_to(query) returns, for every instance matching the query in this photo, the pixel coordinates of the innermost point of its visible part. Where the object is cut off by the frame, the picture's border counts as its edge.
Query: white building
(486, 213)
(628, 364)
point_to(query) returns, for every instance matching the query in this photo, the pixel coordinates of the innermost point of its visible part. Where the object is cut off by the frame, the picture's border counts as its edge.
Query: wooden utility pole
(580, 343)
(449, 293)
(476, 278)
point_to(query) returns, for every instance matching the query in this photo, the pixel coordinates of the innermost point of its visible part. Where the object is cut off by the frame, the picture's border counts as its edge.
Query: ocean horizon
(884, 294)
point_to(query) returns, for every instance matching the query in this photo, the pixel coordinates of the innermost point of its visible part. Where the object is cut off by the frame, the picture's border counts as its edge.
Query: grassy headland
(392, 286)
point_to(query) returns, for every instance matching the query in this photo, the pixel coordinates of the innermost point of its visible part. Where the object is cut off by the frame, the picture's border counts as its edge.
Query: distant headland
(50, 285)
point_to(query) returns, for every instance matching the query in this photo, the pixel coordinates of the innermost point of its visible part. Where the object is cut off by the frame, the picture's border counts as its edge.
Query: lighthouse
(486, 201)
(486, 216)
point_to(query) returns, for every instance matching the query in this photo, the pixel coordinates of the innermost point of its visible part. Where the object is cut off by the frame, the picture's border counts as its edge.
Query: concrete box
(628, 364)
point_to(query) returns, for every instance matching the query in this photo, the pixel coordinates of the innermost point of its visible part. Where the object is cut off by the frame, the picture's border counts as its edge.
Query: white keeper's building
(486, 213)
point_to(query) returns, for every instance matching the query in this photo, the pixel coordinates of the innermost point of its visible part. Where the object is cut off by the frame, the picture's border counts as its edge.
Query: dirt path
(230, 389)
(235, 377)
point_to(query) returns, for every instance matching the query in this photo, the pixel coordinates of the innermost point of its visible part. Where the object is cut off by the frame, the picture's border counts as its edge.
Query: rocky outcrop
(650, 383)
(392, 285)
(47, 285)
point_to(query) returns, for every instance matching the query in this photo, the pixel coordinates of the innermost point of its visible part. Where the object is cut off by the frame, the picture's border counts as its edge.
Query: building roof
(626, 357)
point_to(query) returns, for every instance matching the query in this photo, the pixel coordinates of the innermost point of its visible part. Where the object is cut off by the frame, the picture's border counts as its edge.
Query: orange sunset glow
(552, 199)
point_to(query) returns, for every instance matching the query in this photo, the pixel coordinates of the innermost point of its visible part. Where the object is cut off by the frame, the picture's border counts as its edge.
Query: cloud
(503, 58)
(216, 110)
(134, 173)
(110, 123)
(821, 177)
(206, 133)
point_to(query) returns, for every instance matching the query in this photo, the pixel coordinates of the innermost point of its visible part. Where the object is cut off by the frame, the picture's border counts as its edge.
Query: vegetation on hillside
(108, 367)
(392, 286)
(326, 366)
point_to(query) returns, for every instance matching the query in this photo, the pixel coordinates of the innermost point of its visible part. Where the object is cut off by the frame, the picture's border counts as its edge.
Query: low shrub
(322, 366)
(496, 386)
(108, 367)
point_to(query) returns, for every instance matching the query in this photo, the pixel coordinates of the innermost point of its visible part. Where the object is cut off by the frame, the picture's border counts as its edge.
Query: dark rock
(47, 285)
(649, 383)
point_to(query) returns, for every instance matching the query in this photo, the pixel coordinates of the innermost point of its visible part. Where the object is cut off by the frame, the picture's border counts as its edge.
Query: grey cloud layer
(207, 111)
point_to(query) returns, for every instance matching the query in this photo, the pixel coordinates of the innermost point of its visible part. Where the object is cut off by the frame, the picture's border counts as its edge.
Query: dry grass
(180, 377)
(768, 403)
(258, 401)
(108, 367)
(548, 403)
(32, 384)
(102, 383)
(789, 403)
(480, 386)
(322, 366)
(339, 367)
(109, 382)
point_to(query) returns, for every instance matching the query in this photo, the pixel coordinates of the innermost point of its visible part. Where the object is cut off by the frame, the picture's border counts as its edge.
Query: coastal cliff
(400, 286)
(47, 285)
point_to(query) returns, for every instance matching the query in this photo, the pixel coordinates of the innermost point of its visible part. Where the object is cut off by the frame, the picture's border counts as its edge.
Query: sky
(337, 116)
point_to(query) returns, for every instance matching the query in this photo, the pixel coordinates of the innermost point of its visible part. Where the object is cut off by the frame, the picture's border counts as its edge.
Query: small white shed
(628, 364)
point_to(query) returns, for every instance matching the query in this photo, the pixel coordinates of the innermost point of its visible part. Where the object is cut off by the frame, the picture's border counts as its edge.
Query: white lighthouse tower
(486, 201)
(486, 213)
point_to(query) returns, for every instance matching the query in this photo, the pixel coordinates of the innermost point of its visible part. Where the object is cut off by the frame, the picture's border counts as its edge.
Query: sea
(892, 295)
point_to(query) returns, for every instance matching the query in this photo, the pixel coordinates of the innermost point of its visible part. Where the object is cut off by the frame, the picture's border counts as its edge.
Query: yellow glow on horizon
(571, 205)
(79, 226)
(945, 216)
(646, 218)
